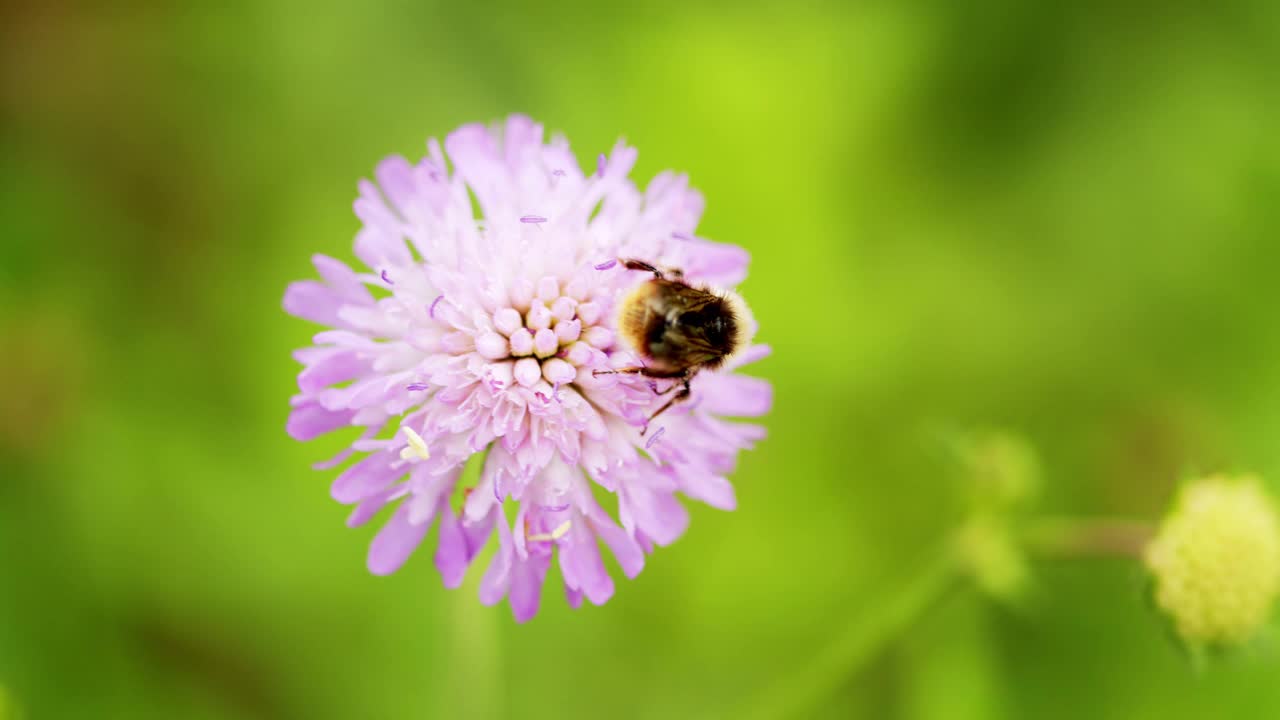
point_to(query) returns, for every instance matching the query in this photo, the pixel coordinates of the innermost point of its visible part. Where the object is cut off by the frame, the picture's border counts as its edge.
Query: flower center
(549, 337)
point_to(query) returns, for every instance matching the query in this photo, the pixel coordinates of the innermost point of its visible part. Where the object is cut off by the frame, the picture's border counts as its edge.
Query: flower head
(1216, 561)
(472, 335)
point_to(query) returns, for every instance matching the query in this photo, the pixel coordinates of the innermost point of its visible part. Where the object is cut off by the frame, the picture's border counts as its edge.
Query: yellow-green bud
(1004, 468)
(1216, 561)
(995, 562)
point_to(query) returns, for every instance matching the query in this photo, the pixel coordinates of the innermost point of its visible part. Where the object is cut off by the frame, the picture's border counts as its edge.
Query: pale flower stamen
(560, 531)
(417, 447)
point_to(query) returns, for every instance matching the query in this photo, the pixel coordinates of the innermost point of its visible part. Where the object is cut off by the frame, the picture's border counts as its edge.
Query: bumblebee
(679, 329)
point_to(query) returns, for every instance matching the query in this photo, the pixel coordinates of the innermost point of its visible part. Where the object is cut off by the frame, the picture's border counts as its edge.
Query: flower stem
(1089, 537)
(872, 630)
(475, 671)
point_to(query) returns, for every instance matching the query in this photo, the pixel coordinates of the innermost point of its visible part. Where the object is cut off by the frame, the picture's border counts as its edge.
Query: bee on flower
(530, 334)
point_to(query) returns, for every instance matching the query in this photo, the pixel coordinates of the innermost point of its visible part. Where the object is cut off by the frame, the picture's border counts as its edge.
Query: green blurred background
(1058, 219)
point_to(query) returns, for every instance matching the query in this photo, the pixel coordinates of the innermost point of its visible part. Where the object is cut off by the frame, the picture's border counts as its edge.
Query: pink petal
(718, 263)
(713, 490)
(755, 353)
(309, 421)
(630, 556)
(367, 477)
(370, 507)
(395, 178)
(522, 142)
(378, 246)
(526, 586)
(311, 300)
(658, 514)
(335, 366)
(395, 542)
(573, 597)
(735, 395)
(497, 579)
(345, 283)
(580, 560)
(452, 558)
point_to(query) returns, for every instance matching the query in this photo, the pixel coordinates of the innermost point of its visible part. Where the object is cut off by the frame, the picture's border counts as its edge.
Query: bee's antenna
(633, 264)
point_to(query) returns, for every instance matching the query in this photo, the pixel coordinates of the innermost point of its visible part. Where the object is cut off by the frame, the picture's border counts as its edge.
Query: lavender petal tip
(532, 219)
(386, 279)
(606, 265)
(434, 303)
(600, 164)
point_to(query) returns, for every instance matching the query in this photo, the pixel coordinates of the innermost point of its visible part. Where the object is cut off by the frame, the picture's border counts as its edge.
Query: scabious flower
(1216, 561)
(481, 335)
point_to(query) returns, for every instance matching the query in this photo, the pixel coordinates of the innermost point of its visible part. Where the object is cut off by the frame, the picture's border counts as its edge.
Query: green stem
(1089, 537)
(475, 669)
(872, 630)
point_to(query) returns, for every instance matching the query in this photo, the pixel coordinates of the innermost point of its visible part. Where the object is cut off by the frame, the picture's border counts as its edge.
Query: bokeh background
(1059, 219)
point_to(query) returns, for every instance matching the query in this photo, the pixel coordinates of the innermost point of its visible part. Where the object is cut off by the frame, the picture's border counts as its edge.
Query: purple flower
(487, 342)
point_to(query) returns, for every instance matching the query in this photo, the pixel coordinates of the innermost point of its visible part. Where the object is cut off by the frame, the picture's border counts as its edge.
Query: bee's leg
(644, 372)
(684, 376)
(633, 264)
(680, 397)
(653, 385)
